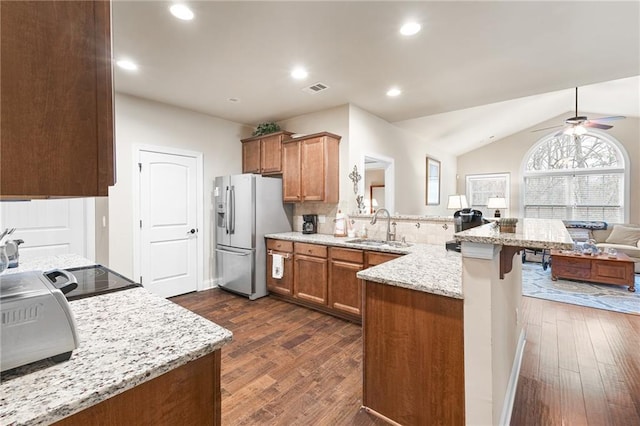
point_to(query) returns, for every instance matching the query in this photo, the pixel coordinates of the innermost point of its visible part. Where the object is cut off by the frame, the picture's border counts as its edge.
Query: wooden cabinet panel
(345, 288)
(310, 282)
(263, 154)
(312, 165)
(187, 395)
(271, 155)
(613, 272)
(291, 172)
(251, 156)
(280, 245)
(310, 249)
(283, 285)
(57, 99)
(310, 168)
(374, 258)
(413, 356)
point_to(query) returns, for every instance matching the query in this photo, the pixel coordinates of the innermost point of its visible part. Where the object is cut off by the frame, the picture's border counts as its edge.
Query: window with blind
(481, 187)
(575, 178)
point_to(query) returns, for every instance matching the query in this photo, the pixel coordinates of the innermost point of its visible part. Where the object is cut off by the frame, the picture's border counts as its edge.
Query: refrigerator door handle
(233, 210)
(227, 199)
(234, 253)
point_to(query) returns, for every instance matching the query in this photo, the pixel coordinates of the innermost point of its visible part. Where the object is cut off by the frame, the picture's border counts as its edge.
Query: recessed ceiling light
(393, 92)
(127, 65)
(410, 28)
(181, 11)
(299, 73)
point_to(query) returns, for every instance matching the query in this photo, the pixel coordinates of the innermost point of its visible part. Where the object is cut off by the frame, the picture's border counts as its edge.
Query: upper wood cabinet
(310, 167)
(263, 154)
(57, 99)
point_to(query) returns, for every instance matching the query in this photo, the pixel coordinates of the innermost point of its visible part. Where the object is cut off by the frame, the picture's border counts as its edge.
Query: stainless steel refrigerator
(247, 207)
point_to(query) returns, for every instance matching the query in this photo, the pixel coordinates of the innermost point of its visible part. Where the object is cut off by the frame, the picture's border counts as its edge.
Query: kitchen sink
(378, 243)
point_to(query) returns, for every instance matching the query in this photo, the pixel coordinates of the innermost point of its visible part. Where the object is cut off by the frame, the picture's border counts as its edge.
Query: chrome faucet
(390, 235)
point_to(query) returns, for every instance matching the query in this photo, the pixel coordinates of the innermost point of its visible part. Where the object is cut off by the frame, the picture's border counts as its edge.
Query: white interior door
(168, 195)
(50, 227)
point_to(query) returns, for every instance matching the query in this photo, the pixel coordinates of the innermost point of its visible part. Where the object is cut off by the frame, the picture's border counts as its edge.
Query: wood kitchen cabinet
(345, 288)
(310, 167)
(310, 273)
(284, 285)
(57, 99)
(373, 258)
(263, 154)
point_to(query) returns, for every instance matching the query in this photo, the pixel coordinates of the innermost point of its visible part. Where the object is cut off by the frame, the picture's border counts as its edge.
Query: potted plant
(266, 128)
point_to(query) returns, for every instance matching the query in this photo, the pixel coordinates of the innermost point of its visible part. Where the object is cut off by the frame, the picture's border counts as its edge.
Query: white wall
(140, 121)
(369, 134)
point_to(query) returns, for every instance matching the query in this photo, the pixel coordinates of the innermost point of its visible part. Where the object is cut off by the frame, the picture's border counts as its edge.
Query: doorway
(379, 183)
(168, 246)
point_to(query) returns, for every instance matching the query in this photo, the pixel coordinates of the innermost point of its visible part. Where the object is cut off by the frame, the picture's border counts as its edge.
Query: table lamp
(497, 203)
(457, 202)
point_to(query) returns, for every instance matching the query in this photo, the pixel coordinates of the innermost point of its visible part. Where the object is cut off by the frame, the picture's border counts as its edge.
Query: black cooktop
(94, 280)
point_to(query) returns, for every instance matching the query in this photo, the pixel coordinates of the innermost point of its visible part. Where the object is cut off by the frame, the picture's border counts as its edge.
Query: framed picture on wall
(433, 182)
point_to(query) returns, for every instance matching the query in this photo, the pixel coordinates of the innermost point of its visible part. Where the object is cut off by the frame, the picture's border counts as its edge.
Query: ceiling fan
(577, 125)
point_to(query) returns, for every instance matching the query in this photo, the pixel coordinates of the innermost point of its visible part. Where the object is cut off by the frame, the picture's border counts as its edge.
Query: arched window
(575, 177)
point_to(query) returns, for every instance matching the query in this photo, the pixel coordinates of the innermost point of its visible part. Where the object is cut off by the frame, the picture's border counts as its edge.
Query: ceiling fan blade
(597, 125)
(546, 128)
(614, 117)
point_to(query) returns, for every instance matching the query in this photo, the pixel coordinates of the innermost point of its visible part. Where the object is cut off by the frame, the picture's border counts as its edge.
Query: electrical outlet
(322, 219)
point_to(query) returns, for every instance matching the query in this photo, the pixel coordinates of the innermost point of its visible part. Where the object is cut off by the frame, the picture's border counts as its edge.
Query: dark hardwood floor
(289, 365)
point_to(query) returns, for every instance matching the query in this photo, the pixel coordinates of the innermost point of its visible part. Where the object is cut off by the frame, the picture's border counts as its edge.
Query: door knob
(192, 231)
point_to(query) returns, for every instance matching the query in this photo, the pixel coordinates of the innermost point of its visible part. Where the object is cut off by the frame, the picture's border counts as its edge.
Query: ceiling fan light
(579, 130)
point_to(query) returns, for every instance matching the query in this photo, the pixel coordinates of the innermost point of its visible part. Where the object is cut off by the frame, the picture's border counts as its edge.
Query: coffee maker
(309, 223)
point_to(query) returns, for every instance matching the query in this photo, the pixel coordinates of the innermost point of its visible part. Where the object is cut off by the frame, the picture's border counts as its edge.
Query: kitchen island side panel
(413, 356)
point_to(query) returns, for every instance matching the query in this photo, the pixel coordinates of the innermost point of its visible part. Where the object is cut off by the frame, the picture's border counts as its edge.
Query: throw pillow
(624, 235)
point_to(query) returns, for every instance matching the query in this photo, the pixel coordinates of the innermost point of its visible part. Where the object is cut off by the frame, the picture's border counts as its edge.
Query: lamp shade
(497, 203)
(457, 202)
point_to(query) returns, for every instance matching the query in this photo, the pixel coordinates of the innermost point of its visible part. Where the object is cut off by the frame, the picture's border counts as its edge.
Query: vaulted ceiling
(477, 62)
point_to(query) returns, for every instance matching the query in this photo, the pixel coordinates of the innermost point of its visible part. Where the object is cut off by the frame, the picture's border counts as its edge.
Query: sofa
(623, 237)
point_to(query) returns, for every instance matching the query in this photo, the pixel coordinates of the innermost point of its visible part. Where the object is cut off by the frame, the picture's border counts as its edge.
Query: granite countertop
(126, 338)
(530, 233)
(426, 267)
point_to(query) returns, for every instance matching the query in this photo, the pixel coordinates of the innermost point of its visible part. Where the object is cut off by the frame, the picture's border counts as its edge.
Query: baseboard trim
(209, 284)
(510, 394)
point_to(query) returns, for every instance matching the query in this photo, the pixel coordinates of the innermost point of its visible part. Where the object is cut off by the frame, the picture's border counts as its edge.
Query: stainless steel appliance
(95, 280)
(37, 322)
(309, 223)
(247, 207)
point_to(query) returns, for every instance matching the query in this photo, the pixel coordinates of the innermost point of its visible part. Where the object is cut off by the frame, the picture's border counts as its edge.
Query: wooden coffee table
(602, 269)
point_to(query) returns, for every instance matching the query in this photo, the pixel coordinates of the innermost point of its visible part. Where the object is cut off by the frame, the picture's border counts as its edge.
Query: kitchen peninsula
(142, 359)
(454, 358)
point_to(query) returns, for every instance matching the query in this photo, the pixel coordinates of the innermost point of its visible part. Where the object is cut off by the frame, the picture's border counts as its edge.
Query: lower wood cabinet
(282, 285)
(186, 395)
(310, 273)
(320, 277)
(345, 288)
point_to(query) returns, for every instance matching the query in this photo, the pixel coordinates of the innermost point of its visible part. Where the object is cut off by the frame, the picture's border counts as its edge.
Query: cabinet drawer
(347, 255)
(572, 262)
(376, 258)
(310, 249)
(279, 245)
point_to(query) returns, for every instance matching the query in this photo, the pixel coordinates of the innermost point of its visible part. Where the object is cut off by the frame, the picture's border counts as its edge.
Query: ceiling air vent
(315, 88)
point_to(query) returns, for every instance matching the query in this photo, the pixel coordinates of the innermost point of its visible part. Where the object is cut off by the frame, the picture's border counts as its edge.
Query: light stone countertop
(427, 268)
(126, 338)
(530, 233)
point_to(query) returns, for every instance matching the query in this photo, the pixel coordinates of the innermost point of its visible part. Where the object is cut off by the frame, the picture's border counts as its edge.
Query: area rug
(537, 282)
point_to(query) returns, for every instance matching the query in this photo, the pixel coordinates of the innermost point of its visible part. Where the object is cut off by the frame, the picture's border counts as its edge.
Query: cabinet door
(310, 279)
(251, 156)
(56, 104)
(271, 155)
(345, 289)
(291, 172)
(312, 163)
(283, 285)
